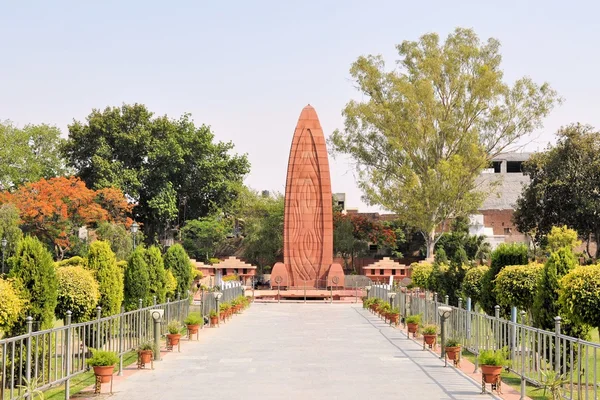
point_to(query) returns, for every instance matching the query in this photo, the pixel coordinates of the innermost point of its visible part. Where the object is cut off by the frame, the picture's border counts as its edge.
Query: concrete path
(298, 351)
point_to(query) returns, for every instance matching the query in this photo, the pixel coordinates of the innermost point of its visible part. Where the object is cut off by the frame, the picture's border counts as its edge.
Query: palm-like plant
(553, 381)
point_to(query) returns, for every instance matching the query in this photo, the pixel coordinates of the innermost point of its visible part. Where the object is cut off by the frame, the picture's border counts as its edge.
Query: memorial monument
(308, 213)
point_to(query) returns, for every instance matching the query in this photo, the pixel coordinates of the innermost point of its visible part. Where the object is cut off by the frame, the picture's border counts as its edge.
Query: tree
(560, 237)
(12, 304)
(505, 254)
(476, 247)
(545, 304)
(426, 130)
(420, 274)
(515, 285)
(53, 210)
(118, 236)
(156, 274)
(580, 295)
(33, 267)
(563, 187)
(103, 263)
(344, 242)
(9, 228)
(172, 169)
(177, 261)
(137, 280)
(29, 154)
(472, 284)
(77, 292)
(201, 237)
(171, 285)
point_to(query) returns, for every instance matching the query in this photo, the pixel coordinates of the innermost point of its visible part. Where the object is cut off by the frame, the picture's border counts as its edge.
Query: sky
(247, 68)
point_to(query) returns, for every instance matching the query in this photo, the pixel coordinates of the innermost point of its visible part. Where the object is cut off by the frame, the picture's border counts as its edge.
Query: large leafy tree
(426, 130)
(29, 154)
(173, 169)
(564, 187)
(201, 237)
(54, 209)
(9, 228)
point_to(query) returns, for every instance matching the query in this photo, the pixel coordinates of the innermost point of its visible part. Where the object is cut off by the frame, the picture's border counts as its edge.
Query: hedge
(580, 295)
(77, 292)
(515, 285)
(472, 284)
(178, 262)
(12, 304)
(103, 263)
(420, 274)
(156, 274)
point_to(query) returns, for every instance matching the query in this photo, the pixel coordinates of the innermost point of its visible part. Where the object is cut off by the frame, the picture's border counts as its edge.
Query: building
(385, 270)
(231, 266)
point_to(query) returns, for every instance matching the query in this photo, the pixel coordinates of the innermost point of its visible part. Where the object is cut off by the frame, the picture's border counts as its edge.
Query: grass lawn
(84, 380)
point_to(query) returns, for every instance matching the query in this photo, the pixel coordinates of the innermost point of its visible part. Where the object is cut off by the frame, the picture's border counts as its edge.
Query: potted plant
(214, 318)
(145, 351)
(491, 363)
(193, 322)
(394, 315)
(429, 334)
(174, 329)
(452, 347)
(412, 322)
(103, 363)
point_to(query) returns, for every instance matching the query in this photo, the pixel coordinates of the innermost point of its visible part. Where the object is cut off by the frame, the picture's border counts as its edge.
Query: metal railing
(209, 302)
(44, 359)
(531, 351)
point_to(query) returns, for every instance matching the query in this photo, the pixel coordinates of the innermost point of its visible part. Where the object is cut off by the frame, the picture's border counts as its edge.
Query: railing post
(154, 300)
(557, 322)
(167, 313)
(121, 329)
(468, 318)
(513, 332)
(179, 307)
(29, 321)
(476, 343)
(68, 356)
(140, 334)
(97, 336)
(497, 327)
(447, 300)
(523, 349)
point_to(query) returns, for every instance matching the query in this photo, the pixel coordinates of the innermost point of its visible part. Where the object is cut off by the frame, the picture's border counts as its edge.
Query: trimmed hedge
(178, 262)
(77, 292)
(156, 274)
(420, 274)
(103, 263)
(137, 280)
(12, 304)
(580, 295)
(472, 284)
(515, 285)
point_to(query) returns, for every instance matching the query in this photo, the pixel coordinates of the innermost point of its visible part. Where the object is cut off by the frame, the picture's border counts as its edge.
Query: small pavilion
(231, 266)
(381, 271)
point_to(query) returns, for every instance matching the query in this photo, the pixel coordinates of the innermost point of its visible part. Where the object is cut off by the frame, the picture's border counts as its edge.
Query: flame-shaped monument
(308, 220)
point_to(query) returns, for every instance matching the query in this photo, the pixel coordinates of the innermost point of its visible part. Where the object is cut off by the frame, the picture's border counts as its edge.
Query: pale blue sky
(248, 67)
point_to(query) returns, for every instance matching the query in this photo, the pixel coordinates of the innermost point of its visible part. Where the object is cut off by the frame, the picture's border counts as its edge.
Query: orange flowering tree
(54, 209)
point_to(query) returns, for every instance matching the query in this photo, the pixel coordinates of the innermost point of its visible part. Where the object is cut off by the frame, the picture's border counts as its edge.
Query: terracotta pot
(430, 339)
(214, 321)
(222, 315)
(452, 352)
(104, 372)
(394, 318)
(490, 373)
(173, 338)
(146, 356)
(412, 328)
(193, 329)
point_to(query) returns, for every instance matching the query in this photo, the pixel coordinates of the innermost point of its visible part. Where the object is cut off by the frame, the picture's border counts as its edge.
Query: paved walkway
(298, 351)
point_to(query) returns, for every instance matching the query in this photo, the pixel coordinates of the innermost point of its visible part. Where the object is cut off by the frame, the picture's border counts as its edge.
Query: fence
(531, 351)
(209, 301)
(43, 359)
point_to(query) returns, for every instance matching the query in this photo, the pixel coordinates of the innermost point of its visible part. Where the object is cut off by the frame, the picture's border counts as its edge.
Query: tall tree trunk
(430, 243)
(596, 236)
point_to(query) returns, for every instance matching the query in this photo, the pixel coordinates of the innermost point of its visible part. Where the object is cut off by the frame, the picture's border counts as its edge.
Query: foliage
(12, 304)
(213, 314)
(451, 342)
(580, 295)
(201, 237)
(262, 221)
(170, 285)
(429, 330)
(9, 228)
(426, 129)
(472, 285)
(177, 261)
(77, 292)
(29, 154)
(436, 281)
(230, 278)
(194, 318)
(545, 305)
(119, 238)
(30, 389)
(492, 357)
(554, 382)
(103, 263)
(563, 187)
(102, 358)
(137, 280)
(560, 237)
(458, 240)
(53, 210)
(72, 262)
(147, 346)
(156, 274)
(172, 169)
(503, 255)
(515, 285)
(174, 327)
(413, 319)
(33, 267)
(420, 274)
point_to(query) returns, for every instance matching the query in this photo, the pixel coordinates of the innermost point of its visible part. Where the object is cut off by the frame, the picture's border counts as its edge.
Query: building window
(380, 272)
(372, 272)
(245, 271)
(394, 271)
(402, 272)
(215, 271)
(507, 231)
(513, 166)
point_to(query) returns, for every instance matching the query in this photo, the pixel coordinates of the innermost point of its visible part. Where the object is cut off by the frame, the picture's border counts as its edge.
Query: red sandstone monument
(308, 220)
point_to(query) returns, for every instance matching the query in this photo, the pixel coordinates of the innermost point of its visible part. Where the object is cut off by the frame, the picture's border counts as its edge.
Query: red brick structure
(383, 269)
(229, 266)
(308, 217)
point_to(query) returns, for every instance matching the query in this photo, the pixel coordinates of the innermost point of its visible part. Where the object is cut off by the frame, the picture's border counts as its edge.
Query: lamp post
(218, 296)
(391, 296)
(134, 229)
(4, 243)
(444, 312)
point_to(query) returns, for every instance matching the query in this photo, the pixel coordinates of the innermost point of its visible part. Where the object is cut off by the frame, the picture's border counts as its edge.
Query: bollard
(157, 322)
(68, 356)
(447, 300)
